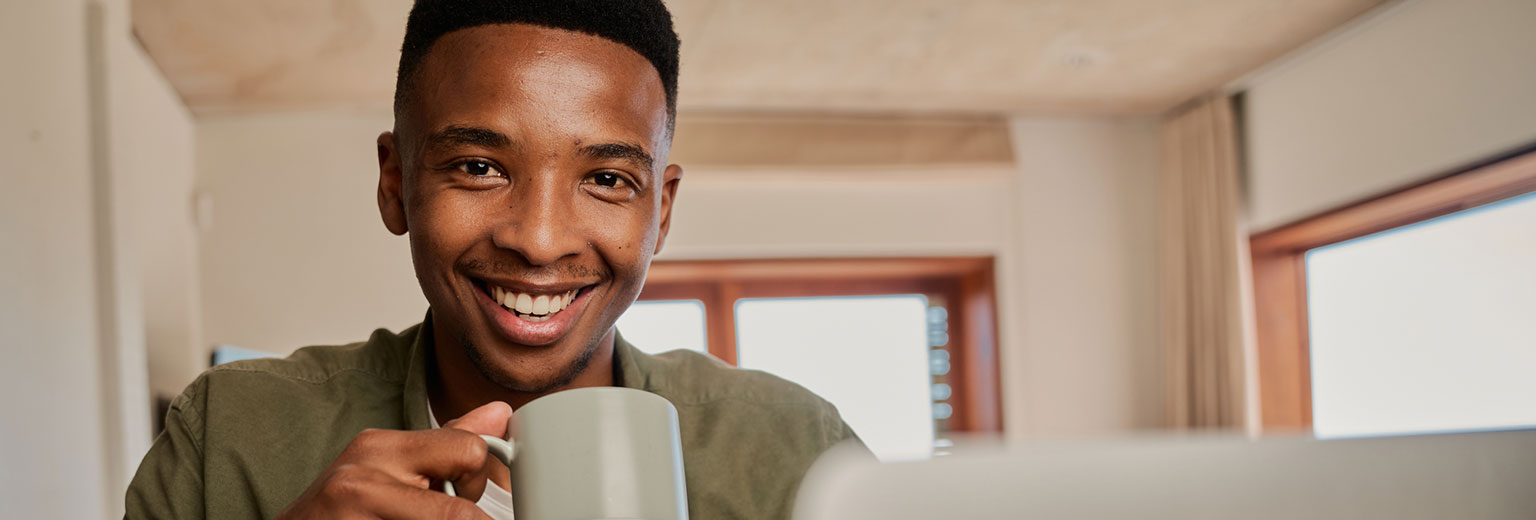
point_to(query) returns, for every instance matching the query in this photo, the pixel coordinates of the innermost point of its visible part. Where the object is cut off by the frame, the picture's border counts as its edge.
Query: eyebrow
(467, 135)
(631, 153)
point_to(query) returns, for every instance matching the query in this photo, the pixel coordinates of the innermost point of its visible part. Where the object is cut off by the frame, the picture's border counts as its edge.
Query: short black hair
(642, 25)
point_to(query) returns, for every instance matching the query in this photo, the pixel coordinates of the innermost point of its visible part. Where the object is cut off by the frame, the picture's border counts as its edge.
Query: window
(1405, 313)
(904, 347)
(659, 326)
(1427, 327)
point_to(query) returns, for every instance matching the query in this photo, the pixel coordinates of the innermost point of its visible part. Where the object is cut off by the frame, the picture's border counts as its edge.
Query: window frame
(966, 285)
(1280, 276)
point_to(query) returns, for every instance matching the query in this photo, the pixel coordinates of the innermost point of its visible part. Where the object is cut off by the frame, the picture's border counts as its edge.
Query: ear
(391, 203)
(669, 182)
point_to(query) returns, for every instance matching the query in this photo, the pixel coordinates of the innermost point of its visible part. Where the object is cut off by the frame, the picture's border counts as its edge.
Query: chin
(535, 370)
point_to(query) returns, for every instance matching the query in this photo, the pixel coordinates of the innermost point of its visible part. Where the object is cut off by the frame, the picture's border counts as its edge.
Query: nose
(539, 224)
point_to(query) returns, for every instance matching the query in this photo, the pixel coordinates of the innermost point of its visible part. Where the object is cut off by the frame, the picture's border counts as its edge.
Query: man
(528, 165)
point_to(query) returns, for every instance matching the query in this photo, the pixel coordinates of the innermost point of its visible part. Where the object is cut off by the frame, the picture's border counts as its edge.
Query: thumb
(489, 419)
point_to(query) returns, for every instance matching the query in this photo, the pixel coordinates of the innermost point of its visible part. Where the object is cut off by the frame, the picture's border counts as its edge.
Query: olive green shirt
(246, 438)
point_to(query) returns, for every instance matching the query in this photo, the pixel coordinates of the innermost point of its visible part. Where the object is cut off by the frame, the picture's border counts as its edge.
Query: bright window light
(659, 326)
(1427, 328)
(867, 355)
(229, 353)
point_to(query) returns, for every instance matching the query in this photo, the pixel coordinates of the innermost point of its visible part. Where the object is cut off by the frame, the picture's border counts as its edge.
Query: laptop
(1489, 475)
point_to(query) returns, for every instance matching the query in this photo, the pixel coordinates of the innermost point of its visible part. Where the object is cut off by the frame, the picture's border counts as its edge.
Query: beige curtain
(1203, 271)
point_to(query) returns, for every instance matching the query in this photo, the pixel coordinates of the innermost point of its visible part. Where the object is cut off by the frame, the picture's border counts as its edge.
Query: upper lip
(524, 286)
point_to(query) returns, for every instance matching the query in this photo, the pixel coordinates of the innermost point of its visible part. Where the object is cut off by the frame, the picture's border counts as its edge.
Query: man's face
(530, 170)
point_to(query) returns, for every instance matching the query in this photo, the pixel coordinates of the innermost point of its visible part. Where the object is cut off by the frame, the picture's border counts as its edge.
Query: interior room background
(149, 217)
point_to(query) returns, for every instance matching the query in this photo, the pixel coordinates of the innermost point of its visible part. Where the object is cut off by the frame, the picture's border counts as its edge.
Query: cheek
(625, 240)
(628, 239)
(443, 227)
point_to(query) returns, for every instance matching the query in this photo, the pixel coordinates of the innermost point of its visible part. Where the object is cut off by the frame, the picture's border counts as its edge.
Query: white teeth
(534, 308)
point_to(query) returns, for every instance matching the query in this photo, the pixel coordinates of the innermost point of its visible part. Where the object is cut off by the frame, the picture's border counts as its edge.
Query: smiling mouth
(532, 307)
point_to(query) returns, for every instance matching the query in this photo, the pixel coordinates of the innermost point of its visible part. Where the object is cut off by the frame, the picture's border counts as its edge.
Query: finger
(489, 419)
(400, 502)
(493, 473)
(471, 486)
(418, 457)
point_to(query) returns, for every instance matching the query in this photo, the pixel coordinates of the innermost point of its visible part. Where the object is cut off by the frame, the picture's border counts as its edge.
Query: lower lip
(532, 333)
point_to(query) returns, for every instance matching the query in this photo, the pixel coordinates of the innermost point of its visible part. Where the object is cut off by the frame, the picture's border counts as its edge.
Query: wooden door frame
(967, 285)
(1280, 278)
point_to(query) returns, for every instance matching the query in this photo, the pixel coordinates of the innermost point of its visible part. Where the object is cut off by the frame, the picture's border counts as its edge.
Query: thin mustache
(523, 270)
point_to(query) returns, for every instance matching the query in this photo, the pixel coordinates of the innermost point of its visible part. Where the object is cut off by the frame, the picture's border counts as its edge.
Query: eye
(479, 169)
(607, 180)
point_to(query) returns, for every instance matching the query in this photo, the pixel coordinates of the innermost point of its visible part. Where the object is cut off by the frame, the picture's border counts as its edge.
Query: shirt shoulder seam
(192, 418)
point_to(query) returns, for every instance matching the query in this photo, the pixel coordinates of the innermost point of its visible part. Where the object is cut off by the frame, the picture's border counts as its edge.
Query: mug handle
(504, 451)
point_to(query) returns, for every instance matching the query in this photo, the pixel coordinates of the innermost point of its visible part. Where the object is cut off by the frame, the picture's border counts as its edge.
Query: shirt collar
(633, 366)
(417, 414)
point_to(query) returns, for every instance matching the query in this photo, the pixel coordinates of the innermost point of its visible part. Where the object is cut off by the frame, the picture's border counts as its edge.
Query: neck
(455, 386)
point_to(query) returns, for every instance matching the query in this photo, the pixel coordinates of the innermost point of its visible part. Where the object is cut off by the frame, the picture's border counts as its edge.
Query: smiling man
(528, 167)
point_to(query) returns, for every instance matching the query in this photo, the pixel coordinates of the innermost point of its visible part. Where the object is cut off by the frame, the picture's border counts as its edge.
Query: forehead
(523, 78)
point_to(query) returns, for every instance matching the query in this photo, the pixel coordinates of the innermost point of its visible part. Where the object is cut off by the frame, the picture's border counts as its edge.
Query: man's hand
(389, 474)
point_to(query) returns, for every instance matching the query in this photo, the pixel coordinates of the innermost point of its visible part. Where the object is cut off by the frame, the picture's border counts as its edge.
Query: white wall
(296, 254)
(51, 450)
(840, 212)
(1424, 87)
(143, 157)
(152, 152)
(1083, 358)
(78, 410)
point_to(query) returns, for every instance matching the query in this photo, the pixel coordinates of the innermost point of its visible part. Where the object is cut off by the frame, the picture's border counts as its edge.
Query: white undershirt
(495, 501)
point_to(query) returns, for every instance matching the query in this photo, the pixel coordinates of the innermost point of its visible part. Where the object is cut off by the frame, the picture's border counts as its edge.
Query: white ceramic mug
(595, 453)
